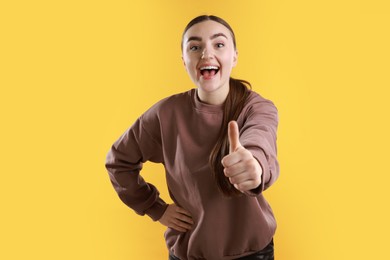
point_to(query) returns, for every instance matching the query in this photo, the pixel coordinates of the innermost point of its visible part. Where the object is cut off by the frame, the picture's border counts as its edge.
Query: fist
(242, 169)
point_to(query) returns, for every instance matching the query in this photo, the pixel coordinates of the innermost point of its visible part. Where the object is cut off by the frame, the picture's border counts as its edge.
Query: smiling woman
(217, 143)
(209, 54)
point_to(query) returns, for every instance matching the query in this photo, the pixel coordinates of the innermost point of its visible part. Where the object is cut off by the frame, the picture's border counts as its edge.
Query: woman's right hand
(177, 218)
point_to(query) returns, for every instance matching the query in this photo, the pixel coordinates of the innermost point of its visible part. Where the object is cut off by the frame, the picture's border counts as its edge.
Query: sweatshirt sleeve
(258, 135)
(124, 162)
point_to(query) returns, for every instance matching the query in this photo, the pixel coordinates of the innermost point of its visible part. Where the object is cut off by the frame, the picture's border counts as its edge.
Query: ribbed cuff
(265, 176)
(156, 211)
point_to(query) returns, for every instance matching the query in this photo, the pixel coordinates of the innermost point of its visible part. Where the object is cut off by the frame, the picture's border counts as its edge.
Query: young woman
(217, 143)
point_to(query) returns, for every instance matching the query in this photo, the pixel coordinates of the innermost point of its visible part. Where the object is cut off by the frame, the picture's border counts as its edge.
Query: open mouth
(209, 71)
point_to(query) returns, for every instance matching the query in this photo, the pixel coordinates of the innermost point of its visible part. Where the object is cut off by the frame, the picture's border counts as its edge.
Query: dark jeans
(265, 254)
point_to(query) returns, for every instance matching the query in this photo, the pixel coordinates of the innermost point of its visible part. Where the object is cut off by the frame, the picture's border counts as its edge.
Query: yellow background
(75, 74)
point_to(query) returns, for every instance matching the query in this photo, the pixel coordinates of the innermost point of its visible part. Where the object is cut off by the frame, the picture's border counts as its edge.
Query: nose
(206, 53)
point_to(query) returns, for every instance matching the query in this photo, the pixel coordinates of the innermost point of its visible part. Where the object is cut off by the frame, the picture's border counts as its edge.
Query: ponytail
(235, 101)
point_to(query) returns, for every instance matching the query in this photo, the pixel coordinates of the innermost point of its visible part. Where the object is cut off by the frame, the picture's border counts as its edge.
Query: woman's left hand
(242, 169)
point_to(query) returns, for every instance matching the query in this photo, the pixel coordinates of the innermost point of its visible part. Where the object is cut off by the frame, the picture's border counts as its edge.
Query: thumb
(233, 134)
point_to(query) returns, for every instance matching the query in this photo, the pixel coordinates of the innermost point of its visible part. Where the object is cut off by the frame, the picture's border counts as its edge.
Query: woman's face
(209, 57)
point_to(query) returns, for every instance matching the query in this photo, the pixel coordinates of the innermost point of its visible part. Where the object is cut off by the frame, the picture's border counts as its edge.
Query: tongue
(207, 74)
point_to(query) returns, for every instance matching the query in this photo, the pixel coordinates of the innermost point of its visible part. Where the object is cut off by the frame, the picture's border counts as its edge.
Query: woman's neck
(217, 97)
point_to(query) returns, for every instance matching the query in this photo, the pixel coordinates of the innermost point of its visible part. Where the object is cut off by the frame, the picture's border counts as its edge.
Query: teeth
(209, 68)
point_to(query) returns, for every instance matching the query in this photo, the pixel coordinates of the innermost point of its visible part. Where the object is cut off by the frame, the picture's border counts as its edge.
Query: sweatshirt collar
(199, 105)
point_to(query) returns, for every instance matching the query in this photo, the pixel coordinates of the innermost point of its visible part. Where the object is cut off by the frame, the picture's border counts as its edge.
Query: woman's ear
(184, 63)
(235, 57)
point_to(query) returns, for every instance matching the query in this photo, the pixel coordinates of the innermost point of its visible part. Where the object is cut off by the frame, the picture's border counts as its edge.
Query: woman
(217, 143)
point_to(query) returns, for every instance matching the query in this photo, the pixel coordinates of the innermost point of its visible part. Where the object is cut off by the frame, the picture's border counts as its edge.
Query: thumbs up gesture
(242, 169)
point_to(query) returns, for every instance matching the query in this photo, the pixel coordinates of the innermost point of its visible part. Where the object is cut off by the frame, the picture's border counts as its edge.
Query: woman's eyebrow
(194, 38)
(199, 39)
(218, 35)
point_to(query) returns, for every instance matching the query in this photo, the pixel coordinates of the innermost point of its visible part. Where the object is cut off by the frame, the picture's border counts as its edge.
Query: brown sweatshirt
(180, 132)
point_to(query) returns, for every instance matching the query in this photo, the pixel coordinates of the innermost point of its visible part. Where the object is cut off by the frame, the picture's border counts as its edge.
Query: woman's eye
(194, 48)
(220, 45)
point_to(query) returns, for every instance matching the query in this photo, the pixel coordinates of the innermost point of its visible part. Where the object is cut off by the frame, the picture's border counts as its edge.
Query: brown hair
(234, 103)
